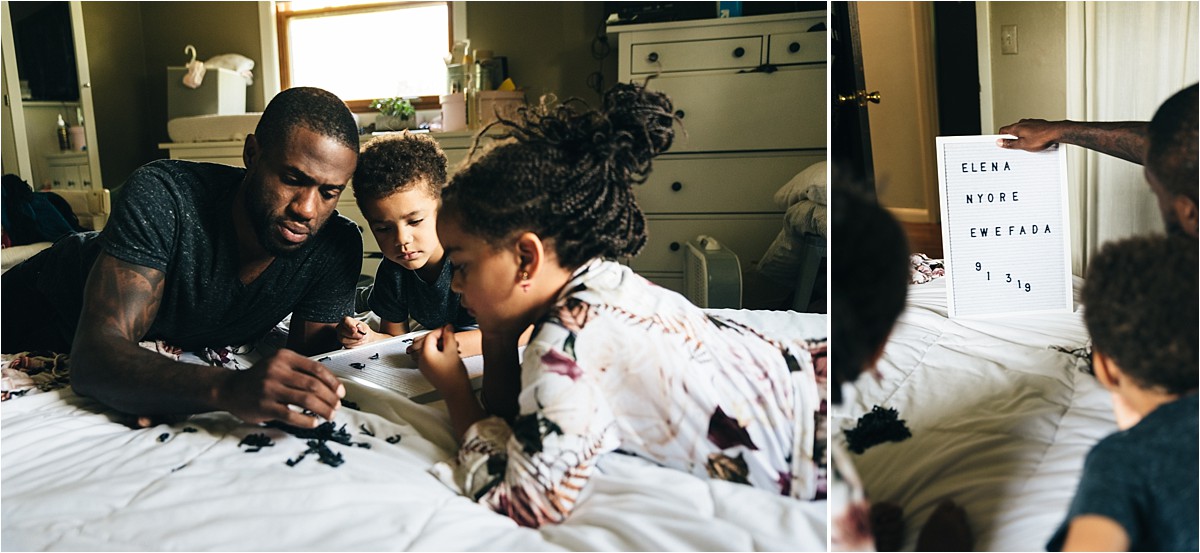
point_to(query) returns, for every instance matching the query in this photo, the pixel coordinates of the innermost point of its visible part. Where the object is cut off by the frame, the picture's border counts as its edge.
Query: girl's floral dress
(619, 364)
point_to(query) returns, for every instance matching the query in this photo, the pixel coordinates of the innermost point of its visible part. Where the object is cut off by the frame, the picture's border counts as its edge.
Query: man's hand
(353, 333)
(264, 391)
(1126, 140)
(1033, 135)
(440, 363)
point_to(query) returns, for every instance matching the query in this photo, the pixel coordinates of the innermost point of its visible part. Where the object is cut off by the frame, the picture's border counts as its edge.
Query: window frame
(284, 12)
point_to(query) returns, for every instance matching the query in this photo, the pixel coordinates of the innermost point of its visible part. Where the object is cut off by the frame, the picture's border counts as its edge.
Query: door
(851, 132)
(85, 93)
(15, 145)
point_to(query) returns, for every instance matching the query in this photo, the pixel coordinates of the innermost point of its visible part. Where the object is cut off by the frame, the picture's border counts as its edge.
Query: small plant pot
(391, 123)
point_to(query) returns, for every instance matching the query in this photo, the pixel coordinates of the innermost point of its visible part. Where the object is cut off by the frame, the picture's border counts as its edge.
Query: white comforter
(1000, 421)
(74, 479)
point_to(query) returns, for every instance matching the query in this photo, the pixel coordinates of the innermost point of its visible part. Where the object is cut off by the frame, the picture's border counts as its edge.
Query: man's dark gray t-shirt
(1145, 479)
(176, 216)
(399, 293)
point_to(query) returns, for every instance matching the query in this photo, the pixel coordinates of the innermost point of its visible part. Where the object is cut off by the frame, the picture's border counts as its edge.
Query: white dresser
(69, 171)
(750, 95)
(456, 145)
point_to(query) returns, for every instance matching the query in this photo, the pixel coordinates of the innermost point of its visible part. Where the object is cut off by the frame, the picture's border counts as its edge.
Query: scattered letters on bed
(1005, 227)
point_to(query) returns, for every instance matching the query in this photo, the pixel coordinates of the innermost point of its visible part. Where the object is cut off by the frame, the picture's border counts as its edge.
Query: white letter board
(1005, 227)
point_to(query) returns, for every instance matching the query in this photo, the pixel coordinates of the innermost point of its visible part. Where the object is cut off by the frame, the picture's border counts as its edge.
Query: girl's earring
(525, 281)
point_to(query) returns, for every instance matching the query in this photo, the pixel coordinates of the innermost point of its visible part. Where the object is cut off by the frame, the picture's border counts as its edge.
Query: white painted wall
(1033, 82)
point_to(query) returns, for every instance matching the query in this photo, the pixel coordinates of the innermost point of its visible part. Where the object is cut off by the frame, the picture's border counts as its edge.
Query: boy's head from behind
(1140, 299)
(398, 186)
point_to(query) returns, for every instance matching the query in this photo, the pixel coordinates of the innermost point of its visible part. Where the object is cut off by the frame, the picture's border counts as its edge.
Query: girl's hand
(353, 333)
(439, 361)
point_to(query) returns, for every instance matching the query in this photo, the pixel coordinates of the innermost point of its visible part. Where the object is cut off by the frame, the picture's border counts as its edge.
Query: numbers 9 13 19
(1007, 278)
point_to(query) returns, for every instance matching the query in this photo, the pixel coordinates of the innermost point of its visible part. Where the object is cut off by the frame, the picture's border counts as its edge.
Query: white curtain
(1123, 60)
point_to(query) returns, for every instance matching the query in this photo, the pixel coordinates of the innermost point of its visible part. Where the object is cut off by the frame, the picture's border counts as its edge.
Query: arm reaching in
(1095, 533)
(441, 365)
(1127, 140)
(120, 303)
(353, 333)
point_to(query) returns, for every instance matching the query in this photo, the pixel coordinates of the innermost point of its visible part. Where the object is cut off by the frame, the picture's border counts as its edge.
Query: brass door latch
(861, 98)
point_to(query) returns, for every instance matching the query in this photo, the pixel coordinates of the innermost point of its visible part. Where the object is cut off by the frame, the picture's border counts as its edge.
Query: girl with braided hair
(533, 229)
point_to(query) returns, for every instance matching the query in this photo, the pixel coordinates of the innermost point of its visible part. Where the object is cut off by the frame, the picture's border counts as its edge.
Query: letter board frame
(1005, 228)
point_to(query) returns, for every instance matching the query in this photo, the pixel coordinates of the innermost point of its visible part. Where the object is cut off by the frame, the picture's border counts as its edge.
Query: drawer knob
(653, 57)
(674, 246)
(679, 114)
(794, 47)
(677, 186)
(739, 52)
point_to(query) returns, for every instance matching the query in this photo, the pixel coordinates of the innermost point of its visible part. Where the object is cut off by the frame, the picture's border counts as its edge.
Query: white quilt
(74, 479)
(1001, 421)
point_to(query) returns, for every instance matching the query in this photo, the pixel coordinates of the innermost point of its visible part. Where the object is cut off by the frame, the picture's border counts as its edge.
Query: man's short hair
(312, 108)
(1141, 298)
(397, 162)
(1173, 137)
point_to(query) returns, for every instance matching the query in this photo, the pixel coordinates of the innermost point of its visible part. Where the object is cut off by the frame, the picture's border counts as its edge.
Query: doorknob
(861, 98)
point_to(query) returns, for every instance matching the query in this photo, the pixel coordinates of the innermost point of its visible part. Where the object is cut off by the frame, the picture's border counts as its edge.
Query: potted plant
(394, 113)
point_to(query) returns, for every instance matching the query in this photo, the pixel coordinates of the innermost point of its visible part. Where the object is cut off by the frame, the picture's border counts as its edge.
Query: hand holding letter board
(1004, 227)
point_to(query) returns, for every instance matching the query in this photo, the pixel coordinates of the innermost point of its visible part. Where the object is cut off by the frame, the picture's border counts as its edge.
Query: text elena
(986, 167)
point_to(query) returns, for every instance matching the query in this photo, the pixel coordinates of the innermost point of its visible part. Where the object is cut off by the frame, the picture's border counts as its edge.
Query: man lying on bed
(202, 255)
(1166, 146)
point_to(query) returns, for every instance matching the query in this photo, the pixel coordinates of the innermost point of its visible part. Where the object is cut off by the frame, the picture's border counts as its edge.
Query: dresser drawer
(789, 48)
(747, 235)
(784, 110)
(728, 183)
(696, 55)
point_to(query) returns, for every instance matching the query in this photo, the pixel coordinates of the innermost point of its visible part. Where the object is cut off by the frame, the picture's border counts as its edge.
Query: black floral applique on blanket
(878, 426)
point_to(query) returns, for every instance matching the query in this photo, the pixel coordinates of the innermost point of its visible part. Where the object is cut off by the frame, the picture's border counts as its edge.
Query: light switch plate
(1008, 39)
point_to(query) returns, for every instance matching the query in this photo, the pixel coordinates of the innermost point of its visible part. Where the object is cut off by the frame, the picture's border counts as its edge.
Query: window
(362, 51)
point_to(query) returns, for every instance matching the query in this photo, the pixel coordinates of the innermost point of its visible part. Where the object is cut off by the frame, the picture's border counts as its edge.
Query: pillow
(809, 184)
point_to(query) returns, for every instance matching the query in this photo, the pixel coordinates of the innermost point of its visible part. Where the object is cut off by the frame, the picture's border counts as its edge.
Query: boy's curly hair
(567, 173)
(1141, 298)
(395, 163)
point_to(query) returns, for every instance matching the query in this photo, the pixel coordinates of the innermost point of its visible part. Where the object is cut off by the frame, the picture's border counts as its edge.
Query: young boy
(398, 186)
(1138, 491)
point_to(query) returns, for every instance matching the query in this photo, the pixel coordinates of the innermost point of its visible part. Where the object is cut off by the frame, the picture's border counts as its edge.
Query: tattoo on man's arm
(125, 298)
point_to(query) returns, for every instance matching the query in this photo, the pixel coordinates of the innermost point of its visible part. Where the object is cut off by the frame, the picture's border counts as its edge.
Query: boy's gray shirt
(399, 293)
(1145, 479)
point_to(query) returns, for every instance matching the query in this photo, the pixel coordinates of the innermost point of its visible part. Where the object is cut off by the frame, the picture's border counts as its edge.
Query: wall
(213, 28)
(1033, 82)
(119, 88)
(898, 62)
(548, 44)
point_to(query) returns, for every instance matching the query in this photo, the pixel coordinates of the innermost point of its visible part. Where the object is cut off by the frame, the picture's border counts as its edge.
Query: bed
(74, 478)
(1002, 413)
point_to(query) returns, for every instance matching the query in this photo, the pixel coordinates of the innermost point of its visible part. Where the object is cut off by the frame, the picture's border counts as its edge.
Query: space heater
(712, 274)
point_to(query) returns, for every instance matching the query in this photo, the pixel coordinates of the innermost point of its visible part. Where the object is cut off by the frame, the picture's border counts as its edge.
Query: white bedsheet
(1000, 421)
(74, 479)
